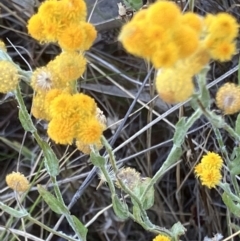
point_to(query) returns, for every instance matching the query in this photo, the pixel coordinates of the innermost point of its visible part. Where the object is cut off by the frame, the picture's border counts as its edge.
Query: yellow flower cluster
(161, 237)
(9, 77)
(221, 31)
(209, 170)
(73, 117)
(17, 182)
(175, 84)
(64, 22)
(228, 98)
(60, 73)
(181, 44)
(162, 34)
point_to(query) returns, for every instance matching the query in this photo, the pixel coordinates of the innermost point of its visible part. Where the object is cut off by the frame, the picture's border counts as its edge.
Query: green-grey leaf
(137, 214)
(193, 102)
(80, 227)
(135, 4)
(26, 121)
(177, 230)
(13, 212)
(234, 166)
(52, 202)
(120, 208)
(24, 116)
(180, 132)
(234, 208)
(97, 160)
(50, 160)
(147, 200)
(204, 93)
(237, 125)
(239, 71)
(227, 190)
(205, 97)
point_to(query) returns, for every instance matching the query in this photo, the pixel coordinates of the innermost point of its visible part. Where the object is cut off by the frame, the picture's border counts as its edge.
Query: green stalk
(174, 153)
(110, 153)
(223, 149)
(145, 223)
(51, 162)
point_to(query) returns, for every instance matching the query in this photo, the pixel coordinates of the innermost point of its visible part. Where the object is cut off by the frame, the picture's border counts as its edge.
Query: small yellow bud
(17, 182)
(8, 76)
(228, 98)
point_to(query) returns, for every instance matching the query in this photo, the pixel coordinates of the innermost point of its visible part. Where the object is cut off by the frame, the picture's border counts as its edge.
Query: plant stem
(174, 153)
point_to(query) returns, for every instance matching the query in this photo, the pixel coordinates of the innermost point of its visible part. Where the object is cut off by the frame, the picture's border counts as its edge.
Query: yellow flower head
(52, 29)
(38, 107)
(42, 79)
(85, 105)
(70, 65)
(165, 57)
(75, 10)
(164, 13)
(90, 33)
(89, 131)
(198, 169)
(17, 182)
(129, 176)
(9, 77)
(193, 21)
(35, 27)
(63, 106)
(132, 37)
(174, 86)
(187, 41)
(212, 161)
(228, 98)
(49, 97)
(157, 36)
(222, 25)
(223, 50)
(210, 177)
(49, 10)
(73, 38)
(62, 130)
(161, 237)
(208, 170)
(86, 148)
(140, 15)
